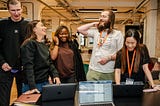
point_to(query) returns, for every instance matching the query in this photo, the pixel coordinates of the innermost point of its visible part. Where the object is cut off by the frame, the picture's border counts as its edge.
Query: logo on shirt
(15, 31)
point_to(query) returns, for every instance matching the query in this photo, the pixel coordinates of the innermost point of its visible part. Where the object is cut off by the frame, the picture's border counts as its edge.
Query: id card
(129, 81)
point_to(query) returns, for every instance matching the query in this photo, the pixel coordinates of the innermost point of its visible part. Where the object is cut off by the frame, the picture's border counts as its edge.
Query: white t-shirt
(111, 45)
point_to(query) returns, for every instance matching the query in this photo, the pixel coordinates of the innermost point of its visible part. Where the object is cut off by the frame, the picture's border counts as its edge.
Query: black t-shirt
(144, 59)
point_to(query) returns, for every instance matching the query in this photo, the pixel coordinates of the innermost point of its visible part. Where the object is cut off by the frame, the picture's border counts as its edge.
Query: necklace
(102, 39)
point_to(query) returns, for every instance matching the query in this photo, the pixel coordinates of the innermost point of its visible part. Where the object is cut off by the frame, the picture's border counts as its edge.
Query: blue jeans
(25, 87)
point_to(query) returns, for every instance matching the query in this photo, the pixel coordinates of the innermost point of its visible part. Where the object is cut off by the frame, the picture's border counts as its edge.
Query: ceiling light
(89, 10)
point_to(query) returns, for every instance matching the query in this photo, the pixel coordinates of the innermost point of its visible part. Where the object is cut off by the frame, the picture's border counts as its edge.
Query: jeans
(25, 87)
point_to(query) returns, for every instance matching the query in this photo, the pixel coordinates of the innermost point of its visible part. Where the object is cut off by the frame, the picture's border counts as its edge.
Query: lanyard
(130, 67)
(102, 39)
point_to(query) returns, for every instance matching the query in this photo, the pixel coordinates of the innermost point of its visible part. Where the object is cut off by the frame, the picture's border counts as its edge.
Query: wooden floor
(13, 92)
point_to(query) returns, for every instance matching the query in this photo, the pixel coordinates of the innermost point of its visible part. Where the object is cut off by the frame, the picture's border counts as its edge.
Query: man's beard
(103, 27)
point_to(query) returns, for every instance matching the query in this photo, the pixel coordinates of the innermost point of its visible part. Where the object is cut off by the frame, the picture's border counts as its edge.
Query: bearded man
(107, 41)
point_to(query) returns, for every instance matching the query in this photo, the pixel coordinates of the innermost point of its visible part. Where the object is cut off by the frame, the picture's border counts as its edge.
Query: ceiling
(83, 11)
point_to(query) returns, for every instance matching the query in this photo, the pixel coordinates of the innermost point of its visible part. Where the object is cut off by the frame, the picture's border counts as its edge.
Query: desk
(151, 99)
(148, 99)
(134, 101)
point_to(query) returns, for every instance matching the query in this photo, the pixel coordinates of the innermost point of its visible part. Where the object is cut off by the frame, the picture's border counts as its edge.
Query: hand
(103, 61)
(32, 91)
(95, 24)
(156, 87)
(50, 80)
(56, 80)
(56, 40)
(6, 67)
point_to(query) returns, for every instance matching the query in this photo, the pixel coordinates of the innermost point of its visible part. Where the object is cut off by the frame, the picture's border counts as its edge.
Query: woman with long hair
(36, 61)
(132, 61)
(67, 59)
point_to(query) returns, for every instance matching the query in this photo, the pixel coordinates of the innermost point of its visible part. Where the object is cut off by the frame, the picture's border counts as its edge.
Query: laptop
(58, 95)
(95, 93)
(123, 90)
(27, 99)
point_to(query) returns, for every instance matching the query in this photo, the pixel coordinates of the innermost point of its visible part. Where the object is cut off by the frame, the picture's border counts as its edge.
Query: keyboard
(105, 104)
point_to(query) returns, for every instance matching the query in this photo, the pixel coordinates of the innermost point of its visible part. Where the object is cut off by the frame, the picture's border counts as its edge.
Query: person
(107, 41)
(67, 57)
(36, 61)
(132, 61)
(11, 36)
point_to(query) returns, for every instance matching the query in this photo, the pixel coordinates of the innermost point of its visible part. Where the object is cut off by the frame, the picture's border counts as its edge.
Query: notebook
(28, 99)
(58, 92)
(95, 93)
(123, 90)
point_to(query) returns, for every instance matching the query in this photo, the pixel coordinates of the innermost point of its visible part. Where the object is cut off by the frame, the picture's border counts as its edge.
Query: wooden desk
(151, 99)
(134, 101)
(148, 99)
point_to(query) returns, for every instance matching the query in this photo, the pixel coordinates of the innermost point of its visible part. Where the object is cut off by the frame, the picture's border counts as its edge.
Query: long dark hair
(131, 33)
(112, 19)
(29, 30)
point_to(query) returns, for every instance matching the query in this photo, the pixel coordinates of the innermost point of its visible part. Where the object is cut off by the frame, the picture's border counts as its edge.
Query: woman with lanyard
(132, 61)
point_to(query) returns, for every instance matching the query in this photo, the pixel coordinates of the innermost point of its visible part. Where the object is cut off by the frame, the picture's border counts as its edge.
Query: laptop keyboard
(109, 104)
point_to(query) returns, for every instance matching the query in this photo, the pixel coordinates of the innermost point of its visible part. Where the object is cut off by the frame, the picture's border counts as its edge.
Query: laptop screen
(95, 91)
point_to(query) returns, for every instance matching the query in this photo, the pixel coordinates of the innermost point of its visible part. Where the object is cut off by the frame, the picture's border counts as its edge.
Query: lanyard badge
(129, 81)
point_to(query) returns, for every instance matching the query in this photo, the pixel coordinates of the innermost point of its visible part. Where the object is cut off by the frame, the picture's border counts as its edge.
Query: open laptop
(123, 90)
(58, 95)
(95, 93)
